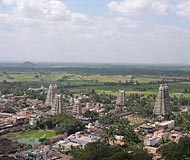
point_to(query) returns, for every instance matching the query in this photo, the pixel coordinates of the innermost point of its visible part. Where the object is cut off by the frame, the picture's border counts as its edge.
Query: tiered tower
(58, 106)
(77, 110)
(121, 98)
(54, 100)
(162, 106)
(52, 91)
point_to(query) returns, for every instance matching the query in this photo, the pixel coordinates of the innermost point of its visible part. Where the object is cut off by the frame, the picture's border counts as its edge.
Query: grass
(35, 134)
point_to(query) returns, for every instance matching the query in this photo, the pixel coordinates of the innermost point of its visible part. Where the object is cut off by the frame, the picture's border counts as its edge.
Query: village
(153, 132)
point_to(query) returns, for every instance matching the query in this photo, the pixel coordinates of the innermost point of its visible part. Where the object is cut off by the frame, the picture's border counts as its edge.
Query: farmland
(77, 78)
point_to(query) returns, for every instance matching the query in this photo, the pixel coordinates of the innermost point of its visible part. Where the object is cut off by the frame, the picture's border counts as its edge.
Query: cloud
(47, 30)
(135, 7)
(8, 2)
(36, 11)
(52, 18)
(183, 9)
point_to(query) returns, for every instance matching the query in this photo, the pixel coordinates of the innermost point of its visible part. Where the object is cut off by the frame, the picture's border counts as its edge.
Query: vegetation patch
(31, 134)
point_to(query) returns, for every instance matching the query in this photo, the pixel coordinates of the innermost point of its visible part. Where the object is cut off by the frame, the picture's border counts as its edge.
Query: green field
(110, 84)
(35, 134)
(30, 77)
(53, 76)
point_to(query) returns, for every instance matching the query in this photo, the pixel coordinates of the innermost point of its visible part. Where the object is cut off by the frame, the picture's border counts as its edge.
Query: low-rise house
(118, 140)
(151, 150)
(57, 138)
(175, 136)
(65, 146)
(80, 139)
(165, 125)
(150, 140)
(146, 128)
(161, 134)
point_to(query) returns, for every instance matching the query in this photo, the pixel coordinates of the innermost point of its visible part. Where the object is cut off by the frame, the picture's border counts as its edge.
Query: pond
(31, 141)
(33, 137)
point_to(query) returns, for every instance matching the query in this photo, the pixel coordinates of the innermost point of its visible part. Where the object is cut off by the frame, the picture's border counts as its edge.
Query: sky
(105, 31)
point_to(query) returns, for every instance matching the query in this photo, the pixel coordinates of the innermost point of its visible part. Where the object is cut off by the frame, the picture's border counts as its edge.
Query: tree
(103, 151)
(92, 115)
(94, 151)
(62, 123)
(119, 126)
(174, 151)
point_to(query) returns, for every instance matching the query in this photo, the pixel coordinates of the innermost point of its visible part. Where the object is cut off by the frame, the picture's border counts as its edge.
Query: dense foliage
(103, 69)
(102, 151)
(141, 104)
(182, 121)
(92, 115)
(174, 151)
(118, 126)
(62, 123)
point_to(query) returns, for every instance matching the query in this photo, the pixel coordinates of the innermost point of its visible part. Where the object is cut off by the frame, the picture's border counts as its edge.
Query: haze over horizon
(106, 31)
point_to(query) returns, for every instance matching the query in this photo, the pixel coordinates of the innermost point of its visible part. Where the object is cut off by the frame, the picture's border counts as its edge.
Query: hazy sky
(126, 31)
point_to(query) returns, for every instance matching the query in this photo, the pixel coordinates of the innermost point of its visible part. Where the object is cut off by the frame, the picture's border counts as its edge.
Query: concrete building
(175, 136)
(165, 125)
(52, 91)
(82, 140)
(161, 135)
(162, 106)
(75, 140)
(150, 141)
(146, 128)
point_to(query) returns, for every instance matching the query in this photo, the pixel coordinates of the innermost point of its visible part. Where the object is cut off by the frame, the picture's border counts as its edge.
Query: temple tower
(121, 98)
(162, 106)
(77, 109)
(58, 106)
(52, 91)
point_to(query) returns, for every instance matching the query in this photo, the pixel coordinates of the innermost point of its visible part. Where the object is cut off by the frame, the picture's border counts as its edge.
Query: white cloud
(8, 2)
(3, 16)
(183, 9)
(77, 17)
(112, 28)
(52, 18)
(134, 7)
(36, 11)
(49, 30)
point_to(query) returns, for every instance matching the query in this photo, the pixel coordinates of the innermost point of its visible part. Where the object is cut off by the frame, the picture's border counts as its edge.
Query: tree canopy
(176, 151)
(103, 151)
(62, 123)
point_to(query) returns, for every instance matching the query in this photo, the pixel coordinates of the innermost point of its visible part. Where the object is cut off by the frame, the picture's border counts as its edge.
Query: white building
(150, 141)
(165, 125)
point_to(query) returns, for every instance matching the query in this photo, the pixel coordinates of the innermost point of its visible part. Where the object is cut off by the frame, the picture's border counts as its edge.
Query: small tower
(162, 106)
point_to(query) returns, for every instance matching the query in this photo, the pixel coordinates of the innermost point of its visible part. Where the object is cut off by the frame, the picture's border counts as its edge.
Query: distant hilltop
(28, 64)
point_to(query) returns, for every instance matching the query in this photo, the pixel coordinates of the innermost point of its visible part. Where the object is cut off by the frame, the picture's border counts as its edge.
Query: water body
(31, 141)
